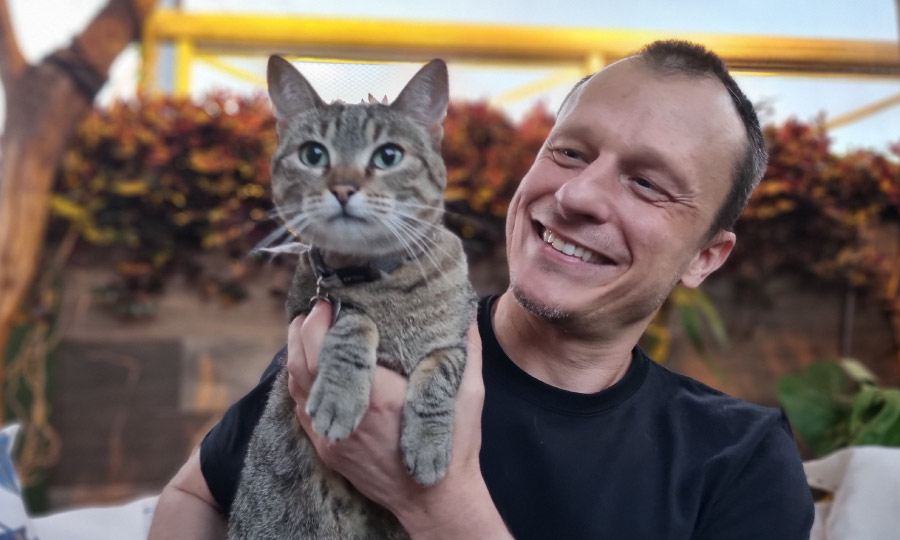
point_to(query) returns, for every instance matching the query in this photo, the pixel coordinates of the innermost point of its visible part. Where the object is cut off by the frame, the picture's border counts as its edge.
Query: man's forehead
(619, 84)
(576, 94)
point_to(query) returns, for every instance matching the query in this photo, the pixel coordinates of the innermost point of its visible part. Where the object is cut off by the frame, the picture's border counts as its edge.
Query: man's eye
(567, 154)
(643, 183)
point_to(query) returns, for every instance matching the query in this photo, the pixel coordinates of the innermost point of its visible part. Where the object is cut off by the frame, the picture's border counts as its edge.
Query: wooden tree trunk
(894, 312)
(44, 104)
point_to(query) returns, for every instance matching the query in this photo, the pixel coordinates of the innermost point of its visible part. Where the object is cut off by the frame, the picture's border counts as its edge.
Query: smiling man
(580, 435)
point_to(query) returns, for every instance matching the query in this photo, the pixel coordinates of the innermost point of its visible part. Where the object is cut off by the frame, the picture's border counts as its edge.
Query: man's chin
(540, 309)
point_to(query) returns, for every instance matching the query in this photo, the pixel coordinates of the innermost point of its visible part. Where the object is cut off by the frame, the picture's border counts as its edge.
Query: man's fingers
(313, 330)
(299, 376)
(388, 389)
(472, 382)
(320, 443)
(305, 335)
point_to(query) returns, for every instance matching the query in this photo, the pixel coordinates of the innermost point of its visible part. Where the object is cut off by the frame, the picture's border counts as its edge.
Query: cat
(363, 185)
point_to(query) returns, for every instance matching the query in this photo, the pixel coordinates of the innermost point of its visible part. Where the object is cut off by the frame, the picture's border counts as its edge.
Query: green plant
(837, 404)
(699, 320)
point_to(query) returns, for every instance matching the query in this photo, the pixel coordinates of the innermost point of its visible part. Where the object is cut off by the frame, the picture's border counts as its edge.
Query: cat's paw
(335, 412)
(425, 446)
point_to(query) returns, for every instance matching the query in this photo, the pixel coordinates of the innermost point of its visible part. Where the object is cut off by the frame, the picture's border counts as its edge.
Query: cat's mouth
(344, 217)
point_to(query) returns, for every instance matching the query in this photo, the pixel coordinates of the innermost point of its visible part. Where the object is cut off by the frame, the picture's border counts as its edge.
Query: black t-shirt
(655, 456)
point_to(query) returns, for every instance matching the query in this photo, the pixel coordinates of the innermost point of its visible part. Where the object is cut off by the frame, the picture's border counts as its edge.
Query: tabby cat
(363, 185)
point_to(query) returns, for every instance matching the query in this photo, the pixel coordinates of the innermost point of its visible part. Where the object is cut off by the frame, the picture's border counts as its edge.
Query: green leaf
(690, 321)
(816, 406)
(875, 418)
(711, 315)
(858, 372)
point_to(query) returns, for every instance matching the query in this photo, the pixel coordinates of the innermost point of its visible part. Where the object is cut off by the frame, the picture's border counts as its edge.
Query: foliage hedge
(821, 215)
(155, 182)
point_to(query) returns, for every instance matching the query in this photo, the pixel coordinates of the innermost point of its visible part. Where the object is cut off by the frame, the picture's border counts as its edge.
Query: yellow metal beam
(149, 60)
(863, 112)
(234, 71)
(418, 40)
(563, 76)
(184, 57)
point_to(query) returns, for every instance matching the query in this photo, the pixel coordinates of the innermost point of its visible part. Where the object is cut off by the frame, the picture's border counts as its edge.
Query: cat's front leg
(340, 394)
(429, 411)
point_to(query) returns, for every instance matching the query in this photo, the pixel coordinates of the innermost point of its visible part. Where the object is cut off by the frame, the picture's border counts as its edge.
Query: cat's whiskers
(412, 235)
(408, 220)
(286, 231)
(409, 250)
(420, 221)
(420, 241)
(421, 205)
(286, 209)
(440, 208)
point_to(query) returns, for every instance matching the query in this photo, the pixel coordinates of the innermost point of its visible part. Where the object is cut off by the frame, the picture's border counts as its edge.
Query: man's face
(615, 210)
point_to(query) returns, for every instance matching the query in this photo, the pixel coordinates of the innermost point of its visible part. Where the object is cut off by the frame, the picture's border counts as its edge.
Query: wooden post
(44, 104)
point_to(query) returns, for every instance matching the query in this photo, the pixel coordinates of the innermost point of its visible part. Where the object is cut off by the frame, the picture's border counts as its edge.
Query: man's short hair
(676, 57)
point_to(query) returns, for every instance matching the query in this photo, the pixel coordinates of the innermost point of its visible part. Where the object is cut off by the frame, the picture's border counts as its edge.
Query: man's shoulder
(696, 396)
(742, 457)
(715, 418)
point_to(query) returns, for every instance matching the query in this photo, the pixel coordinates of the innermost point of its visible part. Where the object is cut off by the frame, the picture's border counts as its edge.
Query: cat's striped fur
(414, 319)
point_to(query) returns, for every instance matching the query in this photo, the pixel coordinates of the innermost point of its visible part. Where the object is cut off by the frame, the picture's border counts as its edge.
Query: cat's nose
(343, 192)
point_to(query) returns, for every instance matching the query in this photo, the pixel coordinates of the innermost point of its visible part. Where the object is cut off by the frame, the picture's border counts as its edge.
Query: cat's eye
(387, 156)
(314, 154)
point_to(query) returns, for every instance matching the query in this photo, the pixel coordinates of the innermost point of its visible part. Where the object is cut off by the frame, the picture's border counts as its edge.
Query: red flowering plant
(816, 212)
(486, 157)
(157, 181)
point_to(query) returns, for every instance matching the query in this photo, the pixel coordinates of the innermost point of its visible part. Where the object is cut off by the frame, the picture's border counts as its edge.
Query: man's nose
(589, 194)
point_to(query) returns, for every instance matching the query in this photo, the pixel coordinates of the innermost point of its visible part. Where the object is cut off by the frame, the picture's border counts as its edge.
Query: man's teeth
(562, 246)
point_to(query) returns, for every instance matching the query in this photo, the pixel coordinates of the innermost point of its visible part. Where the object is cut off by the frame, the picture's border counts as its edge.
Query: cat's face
(362, 179)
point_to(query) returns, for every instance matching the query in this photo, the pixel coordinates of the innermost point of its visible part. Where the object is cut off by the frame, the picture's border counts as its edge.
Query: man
(580, 435)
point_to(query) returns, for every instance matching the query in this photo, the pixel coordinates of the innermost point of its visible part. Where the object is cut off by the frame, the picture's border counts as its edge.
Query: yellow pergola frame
(575, 51)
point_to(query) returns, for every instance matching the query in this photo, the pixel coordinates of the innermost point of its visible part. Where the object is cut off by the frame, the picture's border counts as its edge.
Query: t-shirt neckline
(501, 369)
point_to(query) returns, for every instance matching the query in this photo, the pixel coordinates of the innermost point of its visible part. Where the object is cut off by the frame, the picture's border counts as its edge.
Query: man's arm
(457, 506)
(186, 508)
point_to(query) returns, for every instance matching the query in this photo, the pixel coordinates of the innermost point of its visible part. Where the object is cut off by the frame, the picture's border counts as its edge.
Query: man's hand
(457, 506)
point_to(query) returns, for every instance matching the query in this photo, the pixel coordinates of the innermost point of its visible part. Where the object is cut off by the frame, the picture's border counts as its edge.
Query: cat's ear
(425, 96)
(290, 92)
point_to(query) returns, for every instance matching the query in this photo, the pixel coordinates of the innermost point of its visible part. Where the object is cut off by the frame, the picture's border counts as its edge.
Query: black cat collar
(329, 277)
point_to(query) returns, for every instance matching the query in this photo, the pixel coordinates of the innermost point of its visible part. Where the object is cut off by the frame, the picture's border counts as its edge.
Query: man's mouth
(570, 248)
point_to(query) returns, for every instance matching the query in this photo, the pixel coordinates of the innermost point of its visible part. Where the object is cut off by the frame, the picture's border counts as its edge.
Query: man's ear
(709, 259)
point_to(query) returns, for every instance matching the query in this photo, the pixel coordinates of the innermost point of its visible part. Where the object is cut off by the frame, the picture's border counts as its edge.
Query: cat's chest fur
(411, 305)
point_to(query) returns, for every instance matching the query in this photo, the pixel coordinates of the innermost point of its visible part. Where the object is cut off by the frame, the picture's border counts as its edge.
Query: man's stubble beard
(544, 312)
(642, 311)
